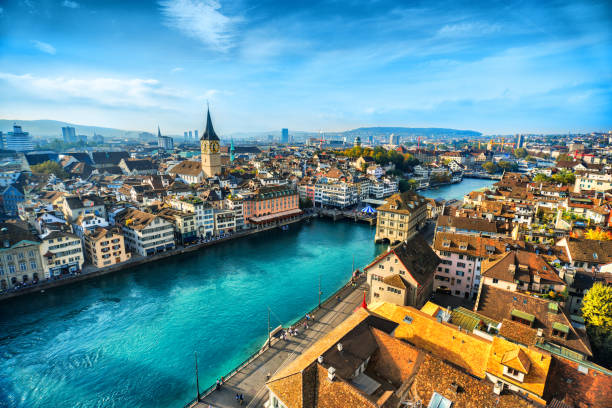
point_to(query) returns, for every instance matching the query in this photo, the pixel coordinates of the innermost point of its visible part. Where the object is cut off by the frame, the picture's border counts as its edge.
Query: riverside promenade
(250, 379)
(90, 271)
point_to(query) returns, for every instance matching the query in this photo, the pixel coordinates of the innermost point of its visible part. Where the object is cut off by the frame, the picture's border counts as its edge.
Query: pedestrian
(237, 397)
(218, 386)
(241, 399)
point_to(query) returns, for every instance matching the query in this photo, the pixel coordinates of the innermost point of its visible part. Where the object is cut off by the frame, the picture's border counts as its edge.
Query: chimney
(320, 359)
(331, 373)
(339, 347)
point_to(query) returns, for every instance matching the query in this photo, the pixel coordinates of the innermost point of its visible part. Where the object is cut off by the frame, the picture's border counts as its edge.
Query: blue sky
(493, 66)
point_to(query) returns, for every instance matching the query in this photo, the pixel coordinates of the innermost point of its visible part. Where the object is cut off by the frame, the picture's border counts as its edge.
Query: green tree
(564, 157)
(307, 203)
(521, 152)
(50, 167)
(540, 177)
(407, 185)
(597, 314)
(489, 167)
(507, 165)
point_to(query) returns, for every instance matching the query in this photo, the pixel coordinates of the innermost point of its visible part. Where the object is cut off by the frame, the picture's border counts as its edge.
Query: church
(193, 172)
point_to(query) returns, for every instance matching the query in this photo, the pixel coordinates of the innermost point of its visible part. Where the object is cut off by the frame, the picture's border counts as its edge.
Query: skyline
(540, 67)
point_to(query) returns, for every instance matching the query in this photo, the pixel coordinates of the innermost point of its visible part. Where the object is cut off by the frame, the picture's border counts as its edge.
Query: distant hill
(53, 128)
(406, 131)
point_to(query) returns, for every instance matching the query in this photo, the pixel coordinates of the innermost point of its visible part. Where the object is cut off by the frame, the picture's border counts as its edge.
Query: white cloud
(70, 4)
(202, 20)
(113, 92)
(44, 47)
(176, 69)
(468, 29)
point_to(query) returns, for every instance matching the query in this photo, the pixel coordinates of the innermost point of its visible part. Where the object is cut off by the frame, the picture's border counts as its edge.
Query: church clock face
(214, 147)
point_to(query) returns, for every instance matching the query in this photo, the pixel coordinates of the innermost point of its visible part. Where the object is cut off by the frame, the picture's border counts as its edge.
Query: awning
(276, 216)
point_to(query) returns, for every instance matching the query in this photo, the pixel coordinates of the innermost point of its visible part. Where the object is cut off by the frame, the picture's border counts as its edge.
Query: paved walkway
(250, 381)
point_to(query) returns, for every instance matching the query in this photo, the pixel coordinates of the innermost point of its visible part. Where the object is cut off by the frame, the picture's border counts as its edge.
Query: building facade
(401, 217)
(145, 234)
(62, 253)
(20, 260)
(105, 247)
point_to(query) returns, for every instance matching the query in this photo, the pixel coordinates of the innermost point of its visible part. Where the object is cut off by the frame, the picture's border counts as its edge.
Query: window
(495, 280)
(22, 266)
(33, 265)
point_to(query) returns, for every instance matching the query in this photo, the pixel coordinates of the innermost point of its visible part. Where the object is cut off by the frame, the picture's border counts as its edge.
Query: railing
(266, 346)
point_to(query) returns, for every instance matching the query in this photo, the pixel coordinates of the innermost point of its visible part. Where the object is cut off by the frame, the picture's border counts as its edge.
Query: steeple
(158, 131)
(231, 150)
(209, 132)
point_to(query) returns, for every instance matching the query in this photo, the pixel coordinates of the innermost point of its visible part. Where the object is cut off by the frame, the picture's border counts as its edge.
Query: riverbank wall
(137, 261)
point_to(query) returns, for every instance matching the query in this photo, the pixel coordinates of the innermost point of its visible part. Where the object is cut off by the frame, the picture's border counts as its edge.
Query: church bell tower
(209, 145)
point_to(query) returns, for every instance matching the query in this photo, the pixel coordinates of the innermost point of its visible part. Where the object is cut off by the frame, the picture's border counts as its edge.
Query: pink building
(269, 204)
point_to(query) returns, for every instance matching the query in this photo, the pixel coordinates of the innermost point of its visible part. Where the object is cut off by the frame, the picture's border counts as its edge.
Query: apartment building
(185, 230)
(20, 260)
(401, 217)
(588, 181)
(404, 274)
(225, 221)
(145, 234)
(203, 213)
(62, 253)
(339, 195)
(105, 247)
(75, 206)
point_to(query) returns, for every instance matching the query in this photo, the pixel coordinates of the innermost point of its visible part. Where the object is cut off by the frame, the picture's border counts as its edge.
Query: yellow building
(401, 217)
(505, 364)
(105, 247)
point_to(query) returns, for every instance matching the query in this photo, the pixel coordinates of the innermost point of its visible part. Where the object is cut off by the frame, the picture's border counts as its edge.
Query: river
(458, 190)
(128, 339)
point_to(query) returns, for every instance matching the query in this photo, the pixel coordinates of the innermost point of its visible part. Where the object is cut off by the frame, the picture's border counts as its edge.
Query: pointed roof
(158, 131)
(209, 132)
(516, 359)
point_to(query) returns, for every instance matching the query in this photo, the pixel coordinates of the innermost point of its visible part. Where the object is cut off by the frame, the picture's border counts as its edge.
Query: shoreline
(137, 261)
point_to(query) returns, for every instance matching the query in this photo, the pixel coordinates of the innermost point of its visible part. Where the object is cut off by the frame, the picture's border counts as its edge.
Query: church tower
(209, 145)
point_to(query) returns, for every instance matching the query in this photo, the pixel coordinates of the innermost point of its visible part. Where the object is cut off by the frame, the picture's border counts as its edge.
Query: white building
(203, 212)
(61, 253)
(145, 234)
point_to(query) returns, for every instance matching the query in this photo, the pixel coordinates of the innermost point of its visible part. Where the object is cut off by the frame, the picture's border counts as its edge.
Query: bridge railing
(342, 292)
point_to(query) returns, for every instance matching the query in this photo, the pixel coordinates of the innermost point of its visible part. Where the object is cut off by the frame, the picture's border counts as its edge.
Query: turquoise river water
(128, 339)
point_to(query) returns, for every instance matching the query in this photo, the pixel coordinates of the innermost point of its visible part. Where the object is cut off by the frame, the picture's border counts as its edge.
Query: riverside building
(401, 217)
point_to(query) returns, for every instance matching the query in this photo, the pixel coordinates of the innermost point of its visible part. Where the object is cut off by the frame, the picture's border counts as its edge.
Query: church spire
(209, 132)
(158, 131)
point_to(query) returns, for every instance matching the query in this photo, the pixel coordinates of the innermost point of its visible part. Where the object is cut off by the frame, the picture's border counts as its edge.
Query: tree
(540, 177)
(489, 167)
(598, 234)
(407, 185)
(507, 165)
(50, 167)
(564, 157)
(564, 177)
(521, 152)
(597, 314)
(307, 203)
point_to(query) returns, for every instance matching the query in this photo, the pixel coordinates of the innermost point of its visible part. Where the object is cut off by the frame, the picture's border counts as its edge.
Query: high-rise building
(285, 136)
(190, 135)
(186, 135)
(394, 139)
(196, 134)
(520, 141)
(18, 140)
(357, 142)
(164, 142)
(209, 146)
(69, 134)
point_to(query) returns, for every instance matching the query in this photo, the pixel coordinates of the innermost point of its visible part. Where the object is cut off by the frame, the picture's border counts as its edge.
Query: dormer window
(446, 244)
(560, 330)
